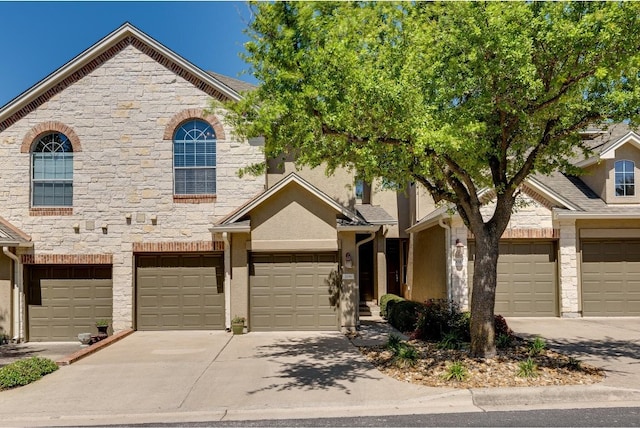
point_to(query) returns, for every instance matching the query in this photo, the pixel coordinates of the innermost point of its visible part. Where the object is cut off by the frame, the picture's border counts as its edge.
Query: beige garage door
(65, 301)
(527, 279)
(611, 277)
(290, 292)
(180, 292)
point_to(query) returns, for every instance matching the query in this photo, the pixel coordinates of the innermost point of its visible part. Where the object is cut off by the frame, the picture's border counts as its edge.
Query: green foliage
(384, 302)
(403, 314)
(393, 342)
(438, 318)
(528, 368)
(574, 364)
(537, 346)
(504, 341)
(456, 371)
(450, 340)
(102, 323)
(23, 372)
(405, 355)
(456, 96)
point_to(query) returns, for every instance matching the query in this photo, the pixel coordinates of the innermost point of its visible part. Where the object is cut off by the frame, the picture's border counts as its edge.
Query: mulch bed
(432, 363)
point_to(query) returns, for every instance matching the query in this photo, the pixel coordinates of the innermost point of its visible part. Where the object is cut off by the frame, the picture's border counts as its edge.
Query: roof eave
(593, 215)
(358, 228)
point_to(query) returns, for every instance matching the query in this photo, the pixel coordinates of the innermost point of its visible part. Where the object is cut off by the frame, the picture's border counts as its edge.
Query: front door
(393, 266)
(365, 272)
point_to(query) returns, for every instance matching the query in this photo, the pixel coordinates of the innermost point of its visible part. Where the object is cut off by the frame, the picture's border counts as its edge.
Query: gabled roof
(101, 52)
(375, 214)
(244, 210)
(605, 142)
(11, 236)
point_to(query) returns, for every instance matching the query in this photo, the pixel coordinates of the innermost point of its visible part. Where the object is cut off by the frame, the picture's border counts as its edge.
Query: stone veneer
(123, 176)
(568, 267)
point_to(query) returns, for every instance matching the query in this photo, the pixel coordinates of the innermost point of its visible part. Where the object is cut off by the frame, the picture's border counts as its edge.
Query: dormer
(613, 170)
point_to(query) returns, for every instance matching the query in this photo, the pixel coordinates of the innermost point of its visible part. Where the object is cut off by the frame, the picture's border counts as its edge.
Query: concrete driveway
(163, 376)
(610, 343)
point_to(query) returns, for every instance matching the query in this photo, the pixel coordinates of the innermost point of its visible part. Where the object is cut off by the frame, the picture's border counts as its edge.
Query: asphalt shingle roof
(237, 85)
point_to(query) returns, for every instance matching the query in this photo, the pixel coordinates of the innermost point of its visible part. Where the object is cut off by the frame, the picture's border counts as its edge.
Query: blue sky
(39, 37)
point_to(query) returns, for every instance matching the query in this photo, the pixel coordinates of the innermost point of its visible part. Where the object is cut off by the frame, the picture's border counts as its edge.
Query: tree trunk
(483, 295)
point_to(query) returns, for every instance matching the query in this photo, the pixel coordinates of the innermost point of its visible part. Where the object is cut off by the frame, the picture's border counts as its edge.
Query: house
(120, 199)
(572, 247)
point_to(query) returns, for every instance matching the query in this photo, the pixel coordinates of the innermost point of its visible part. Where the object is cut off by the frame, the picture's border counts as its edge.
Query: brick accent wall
(46, 127)
(42, 212)
(67, 259)
(177, 247)
(193, 113)
(546, 233)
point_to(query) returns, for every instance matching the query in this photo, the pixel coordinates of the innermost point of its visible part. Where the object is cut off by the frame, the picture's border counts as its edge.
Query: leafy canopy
(458, 96)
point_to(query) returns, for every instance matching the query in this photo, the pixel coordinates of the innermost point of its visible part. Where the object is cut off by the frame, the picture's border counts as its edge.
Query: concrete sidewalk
(155, 377)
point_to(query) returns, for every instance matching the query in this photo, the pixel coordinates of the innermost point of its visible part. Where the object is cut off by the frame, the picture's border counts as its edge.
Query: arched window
(52, 171)
(625, 178)
(194, 159)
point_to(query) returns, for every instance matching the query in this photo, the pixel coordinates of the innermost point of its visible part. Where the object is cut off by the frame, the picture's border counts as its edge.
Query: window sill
(41, 212)
(194, 199)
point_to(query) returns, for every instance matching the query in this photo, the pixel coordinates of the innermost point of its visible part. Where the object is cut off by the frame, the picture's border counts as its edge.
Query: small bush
(537, 346)
(451, 340)
(384, 302)
(456, 371)
(501, 327)
(504, 341)
(403, 314)
(406, 355)
(438, 318)
(393, 342)
(574, 364)
(527, 368)
(23, 372)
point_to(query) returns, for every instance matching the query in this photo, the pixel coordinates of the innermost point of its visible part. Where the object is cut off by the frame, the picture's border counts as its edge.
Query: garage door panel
(526, 283)
(179, 292)
(610, 277)
(67, 306)
(299, 303)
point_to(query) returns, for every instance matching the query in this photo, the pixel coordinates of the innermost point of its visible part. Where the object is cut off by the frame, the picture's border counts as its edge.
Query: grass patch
(456, 371)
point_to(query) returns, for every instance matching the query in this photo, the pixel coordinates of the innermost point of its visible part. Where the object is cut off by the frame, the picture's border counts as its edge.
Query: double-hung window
(52, 171)
(625, 178)
(194, 159)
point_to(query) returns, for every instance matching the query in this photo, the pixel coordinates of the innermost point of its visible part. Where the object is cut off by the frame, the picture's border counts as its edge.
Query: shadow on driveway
(315, 363)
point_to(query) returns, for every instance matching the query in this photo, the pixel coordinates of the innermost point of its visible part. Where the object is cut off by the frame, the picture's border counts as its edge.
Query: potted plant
(102, 326)
(237, 325)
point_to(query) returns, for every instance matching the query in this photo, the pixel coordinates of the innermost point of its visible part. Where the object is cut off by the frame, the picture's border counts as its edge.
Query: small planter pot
(237, 328)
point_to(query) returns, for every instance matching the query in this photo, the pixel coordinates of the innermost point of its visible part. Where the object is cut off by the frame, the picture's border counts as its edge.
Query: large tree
(459, 97)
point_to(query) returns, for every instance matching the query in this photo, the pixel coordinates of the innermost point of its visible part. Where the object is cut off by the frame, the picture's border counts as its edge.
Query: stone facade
(123, 174)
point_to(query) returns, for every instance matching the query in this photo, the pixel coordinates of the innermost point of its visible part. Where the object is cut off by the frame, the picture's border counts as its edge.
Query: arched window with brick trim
(52, 171)
(194, 158)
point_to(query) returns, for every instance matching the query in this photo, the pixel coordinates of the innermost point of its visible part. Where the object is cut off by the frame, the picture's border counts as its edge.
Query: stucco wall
(293, 219)
(427, 265)
(119, 113)
(5, 295)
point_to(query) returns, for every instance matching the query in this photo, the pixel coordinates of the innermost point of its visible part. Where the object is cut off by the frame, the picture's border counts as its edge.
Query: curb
(78, 355)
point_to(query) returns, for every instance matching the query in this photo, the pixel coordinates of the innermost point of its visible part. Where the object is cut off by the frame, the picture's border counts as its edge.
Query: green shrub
(503, 341)
(528, 368)
(403, 314)
(438, 318)
(574, 364)
(450, 340)
(23, 372)
(456, 371)
(537, 346)
(405, 355)
(393, 342)
(384, 302)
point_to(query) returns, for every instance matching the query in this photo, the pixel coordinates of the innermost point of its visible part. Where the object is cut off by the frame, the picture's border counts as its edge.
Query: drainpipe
(447, 249)
(227, 280)
(371, 237)
(18, 284)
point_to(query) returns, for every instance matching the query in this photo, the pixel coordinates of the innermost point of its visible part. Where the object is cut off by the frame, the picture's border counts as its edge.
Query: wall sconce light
(105, 226)
(348, 263)
(458, 254)
(127, 217)
(76, 227)
(154, 219)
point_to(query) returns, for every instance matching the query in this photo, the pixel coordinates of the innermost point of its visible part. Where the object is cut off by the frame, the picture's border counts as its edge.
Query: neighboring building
(120, 199)
(572, 247)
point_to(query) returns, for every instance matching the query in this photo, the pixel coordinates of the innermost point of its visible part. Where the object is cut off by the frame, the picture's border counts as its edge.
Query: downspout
(18, 283)
(447, 249)
(371, 237)
(227, 280)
